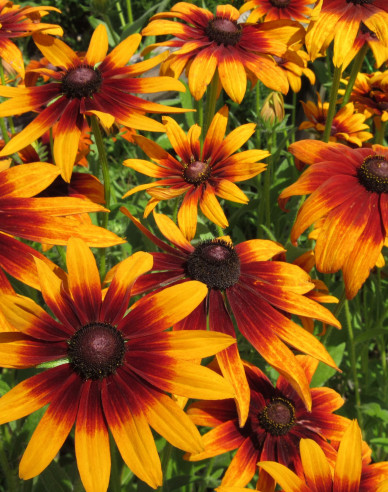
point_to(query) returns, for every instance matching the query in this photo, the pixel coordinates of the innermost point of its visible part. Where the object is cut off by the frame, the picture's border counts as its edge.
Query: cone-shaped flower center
(81, 82)
(373, 174)
(360, 2)
(223, 31)
(96, 350)
(280, 3)
(278, 416)
(215, 263)
(196, 172)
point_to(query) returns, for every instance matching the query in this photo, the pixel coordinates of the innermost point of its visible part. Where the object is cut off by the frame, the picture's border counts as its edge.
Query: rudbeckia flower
(299, 10)
(367, 37)
(198, 174)
(207, 42)
(318, 474)
(294, 65)
(341, 20)
(17, 22)
(97, 84)
(347, 126)
(276, 423)
(262, 295)
(41, 219)
(116, 368)
(349, 204)
(370, 94)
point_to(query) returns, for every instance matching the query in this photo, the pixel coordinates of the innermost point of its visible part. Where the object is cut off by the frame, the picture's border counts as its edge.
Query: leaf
(324, 372)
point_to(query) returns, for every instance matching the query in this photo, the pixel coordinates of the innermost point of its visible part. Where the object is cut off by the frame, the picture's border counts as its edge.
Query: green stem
(258, 108)
(165, 461)
(8, 472)
(108, 22)
(198, 106)
(353, 363)
(380, 133)
(336, 313)
(332, 102)
(120, 12)
(356, 68)
(129, 10)
(293, 118)
(211, 100)
(205, 481)
(115, 481)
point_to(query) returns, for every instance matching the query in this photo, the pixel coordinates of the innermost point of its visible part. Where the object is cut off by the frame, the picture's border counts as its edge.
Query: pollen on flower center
(96, 350)
(81, 82)
(215, 263)
(373, 174)
(196, 172)
(278, 416)
(223, 31)
(280, 3)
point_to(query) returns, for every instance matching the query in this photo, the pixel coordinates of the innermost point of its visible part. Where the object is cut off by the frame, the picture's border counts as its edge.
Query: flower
(200, 174)
(117, 371)
(370, 94)
(207, 42)
(276, 423)
(299, 10)
(348, 203)
(44, 220)
(261, 294)
(16, 22)
(366, 36)
(341, 20)
(347, 126)
(94, 84)
(294, 65)
(319, 476)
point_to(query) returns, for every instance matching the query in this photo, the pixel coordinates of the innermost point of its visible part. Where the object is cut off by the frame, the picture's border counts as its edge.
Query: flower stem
(332, 102)
(7, 471)
(356, 68)
(211, 100)
(120, 12)
(380, 133)
(129, 10)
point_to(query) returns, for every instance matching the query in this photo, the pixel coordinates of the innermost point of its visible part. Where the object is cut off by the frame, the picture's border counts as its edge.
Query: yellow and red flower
(370, 94)
(262, 295)
(349, 204)
(199, 174)
(341, 20)
(96, 84)
(17, 22)
(277, 421)
(207, 43)
(116, 368)
(366, 36)
(299, 10)
(294, 65)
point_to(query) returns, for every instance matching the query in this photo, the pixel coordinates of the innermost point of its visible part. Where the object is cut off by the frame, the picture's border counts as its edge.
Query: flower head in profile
(348, 203)
(199, 174)
(299, 10)
(318, 473)
(17, 22)
(341, 20)
(276, 423)
(206, 43)
(294, 65)
(370, 94)
(115, 369)
(262, 295)
(96, 83)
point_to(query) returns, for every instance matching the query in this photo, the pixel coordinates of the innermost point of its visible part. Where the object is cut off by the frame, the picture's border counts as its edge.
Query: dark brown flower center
(223, 31)
(81, 82)
(215, 263)
(196, 172)
(278, 416)
(96, 350)
(360, 2)
(280, 3)
(373, 174)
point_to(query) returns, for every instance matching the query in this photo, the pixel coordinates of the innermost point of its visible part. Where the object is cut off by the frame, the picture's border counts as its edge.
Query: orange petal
(56, 51)
(98, 46)
(211, 208)
(348, 467)
(315, 466)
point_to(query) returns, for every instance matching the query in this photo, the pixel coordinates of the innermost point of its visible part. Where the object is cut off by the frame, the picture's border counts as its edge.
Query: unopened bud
(273, 108)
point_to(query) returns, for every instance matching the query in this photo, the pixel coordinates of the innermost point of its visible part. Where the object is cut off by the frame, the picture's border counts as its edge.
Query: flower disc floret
(278, 416)
(280, 3)
(196, 172)
(96, 350)
(360, 2)
(223, 31)
(215, 263)
(373, 174)
(83, 81)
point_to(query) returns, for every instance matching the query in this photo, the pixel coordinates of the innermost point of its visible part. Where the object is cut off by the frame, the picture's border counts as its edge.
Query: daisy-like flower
(97, 84)
(198, 174)
(299, 10)
(318, 474)
(348, 203)
(294, 65)
(207, 42)
(347, 126)
(17, 22)
(370, 94)
(277, 421)
(366, 36)
(41, 219)
(262, 296)
(341, 20)
(116, 368)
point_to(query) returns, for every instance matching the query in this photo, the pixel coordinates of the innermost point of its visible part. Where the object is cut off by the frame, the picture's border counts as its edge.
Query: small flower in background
(261, 294)
(16, 22)
(209, 43)
(299, 10)
(348, 202)
(367, 37)
(319, 476)
(116, 368)
(341, 20)
(200, 174)
(370, 95)
(277, 421)
(348, 125)
(294, 65)
(97, 83)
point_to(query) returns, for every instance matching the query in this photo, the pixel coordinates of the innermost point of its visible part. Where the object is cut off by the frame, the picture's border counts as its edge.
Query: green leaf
(324, 372)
